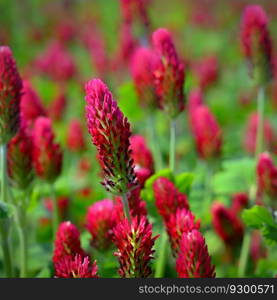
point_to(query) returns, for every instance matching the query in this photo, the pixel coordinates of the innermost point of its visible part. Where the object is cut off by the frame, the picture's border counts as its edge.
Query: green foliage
(236, 176)
(128, 102)
(259, 217)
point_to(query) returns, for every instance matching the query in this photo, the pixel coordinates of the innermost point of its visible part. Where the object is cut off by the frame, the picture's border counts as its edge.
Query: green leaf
(128, 102)
(270, 234)
(237, 176)
(183, 182)
(257, 216)
(147, 192)
(44, 273)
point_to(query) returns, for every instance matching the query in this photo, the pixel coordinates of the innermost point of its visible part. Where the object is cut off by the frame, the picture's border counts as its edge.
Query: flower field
(138, 138)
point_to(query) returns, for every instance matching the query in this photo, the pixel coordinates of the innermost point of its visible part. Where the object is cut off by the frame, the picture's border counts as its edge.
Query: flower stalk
(260, 131)
(20, 218)
(172, 145)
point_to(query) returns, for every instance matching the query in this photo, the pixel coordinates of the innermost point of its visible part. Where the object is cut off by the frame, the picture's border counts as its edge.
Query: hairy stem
(126, 206)
(172, 145)
(55, 212)
(260, 129)
(155, 146)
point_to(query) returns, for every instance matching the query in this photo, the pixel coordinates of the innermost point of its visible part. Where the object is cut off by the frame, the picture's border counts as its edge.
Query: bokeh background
(93, 38)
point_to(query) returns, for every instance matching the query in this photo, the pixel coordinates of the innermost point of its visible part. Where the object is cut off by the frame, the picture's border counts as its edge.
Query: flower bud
(19, 160)
(169, 74)
(135, 247)
(110, 132)
(206, 132)
(168, 198)
(75, 137)
(76, 267)
(194, 260)
(67, 243)
(142, 66)
(47, 155)
(100, 222)
(227, 225)
(267, 176)
(10, 94)
(256, 43)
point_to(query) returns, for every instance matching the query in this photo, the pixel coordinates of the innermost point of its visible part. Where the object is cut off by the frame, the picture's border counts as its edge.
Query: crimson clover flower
(194, 260)
(135, 247)
(10, 94)
(168, 73)
(110, 132)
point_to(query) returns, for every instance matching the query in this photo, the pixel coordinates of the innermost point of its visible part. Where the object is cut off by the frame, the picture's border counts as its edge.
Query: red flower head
(143, 159)
(207, 71)
(256, 42)
(251, 134)
(67, 243)
(135, 247)
(30, 105)
(142, 66)
(267, 175)
(76, 267)
(100, 222)
(142, 174)
(20, 166)
(75, 137)
(10, 94)
(194, 260)
(168, 198)
(132, 9)
(239, 202)
(57, 63)
(63, 205)
(57, 108)
(226, 224)
(127, 46)
(110, 132)
(141, 153)
(206, 132)
(195, 99)
(180, 222)
(47, 155)
(168, 73)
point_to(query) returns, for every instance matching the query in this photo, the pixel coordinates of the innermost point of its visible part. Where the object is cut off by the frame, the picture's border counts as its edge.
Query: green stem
(126, 207)
(4, 232)
(172, 145)
(245, 248)
(260, 129)
(55, 212)
(22, 233)
(155, 147)
(163, 249)
(208, 181)
(244, 254)
(5, 223)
